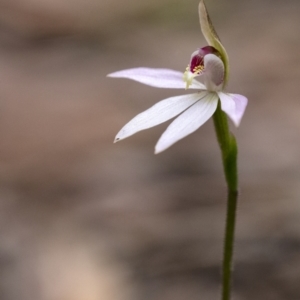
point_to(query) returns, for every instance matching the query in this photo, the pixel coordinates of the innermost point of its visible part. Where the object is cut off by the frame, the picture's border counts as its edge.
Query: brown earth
(84, 219)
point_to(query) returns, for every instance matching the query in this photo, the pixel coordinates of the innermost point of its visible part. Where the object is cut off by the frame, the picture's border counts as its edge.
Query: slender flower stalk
(228, 147)
(211, 65)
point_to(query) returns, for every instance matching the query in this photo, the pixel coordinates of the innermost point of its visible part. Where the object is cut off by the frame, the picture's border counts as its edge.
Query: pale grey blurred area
(82, 218)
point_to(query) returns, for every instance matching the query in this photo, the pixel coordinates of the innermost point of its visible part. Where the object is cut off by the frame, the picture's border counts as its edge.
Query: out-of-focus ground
(83, 219)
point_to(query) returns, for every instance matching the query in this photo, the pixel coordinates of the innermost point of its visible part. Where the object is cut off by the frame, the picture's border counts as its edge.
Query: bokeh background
(84, 219)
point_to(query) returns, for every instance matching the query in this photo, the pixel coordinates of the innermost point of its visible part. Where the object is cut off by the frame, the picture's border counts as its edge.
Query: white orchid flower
(210, 64)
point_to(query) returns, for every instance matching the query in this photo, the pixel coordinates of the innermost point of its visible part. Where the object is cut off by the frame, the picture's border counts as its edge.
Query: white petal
(161, 78)
(234, 106)
(213, 72)
(158, 113)
(188, 122)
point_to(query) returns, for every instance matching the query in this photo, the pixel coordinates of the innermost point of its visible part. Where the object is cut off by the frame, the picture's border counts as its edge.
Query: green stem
(228, 244)
(228, 147)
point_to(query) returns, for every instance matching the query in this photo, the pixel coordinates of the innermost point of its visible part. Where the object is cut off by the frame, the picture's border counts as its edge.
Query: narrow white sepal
(188, 122)
(234, 106)
(160, 78)
(158, 113)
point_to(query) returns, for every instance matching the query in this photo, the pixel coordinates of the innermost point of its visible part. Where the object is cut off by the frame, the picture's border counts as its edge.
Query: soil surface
(82, 218)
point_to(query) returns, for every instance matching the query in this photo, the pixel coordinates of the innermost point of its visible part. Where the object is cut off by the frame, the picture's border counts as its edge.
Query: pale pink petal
(161, 78)
(234, 106)
(188, 122)
(213, 72)
(158, 113)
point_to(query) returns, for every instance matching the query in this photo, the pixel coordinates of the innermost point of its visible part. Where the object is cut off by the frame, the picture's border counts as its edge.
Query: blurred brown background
(84, 219)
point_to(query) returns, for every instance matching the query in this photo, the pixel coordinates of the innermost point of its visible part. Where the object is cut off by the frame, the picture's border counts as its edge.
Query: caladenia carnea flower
(210, 65)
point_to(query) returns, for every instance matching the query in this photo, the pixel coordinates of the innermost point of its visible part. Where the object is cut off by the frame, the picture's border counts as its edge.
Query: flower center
(196, 65)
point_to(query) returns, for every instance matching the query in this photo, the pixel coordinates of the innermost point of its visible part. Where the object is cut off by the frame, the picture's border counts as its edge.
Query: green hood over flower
(212, 38)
